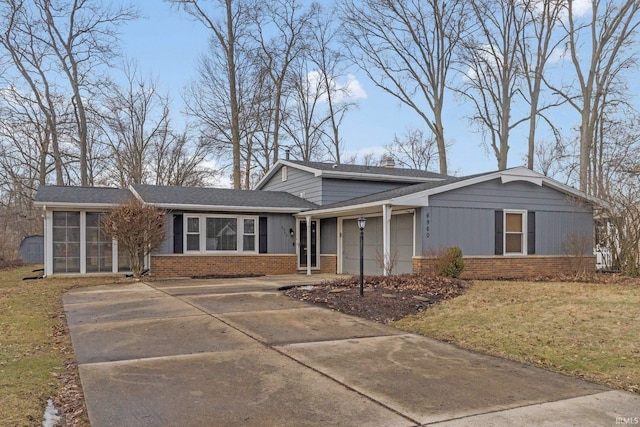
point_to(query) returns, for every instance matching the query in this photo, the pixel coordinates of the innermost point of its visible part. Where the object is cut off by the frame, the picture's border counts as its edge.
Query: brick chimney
(388, 162)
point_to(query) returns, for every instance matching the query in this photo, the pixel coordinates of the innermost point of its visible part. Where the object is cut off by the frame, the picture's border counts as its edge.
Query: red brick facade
(328, 264)
(202, 265)
(514, 267)
(511, 267)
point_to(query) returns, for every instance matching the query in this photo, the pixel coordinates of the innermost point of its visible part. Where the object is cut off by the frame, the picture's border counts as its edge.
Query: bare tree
(537, 44)
(83, 36)
(601, 50)
(179, 161)
(283, 27)
(413, 149)
(30, 57)
(407, 47)
(143, 147)
(549, 157)
(229, 22)
(331, 66)
(492, 70)
(305, 123)
(136, 121)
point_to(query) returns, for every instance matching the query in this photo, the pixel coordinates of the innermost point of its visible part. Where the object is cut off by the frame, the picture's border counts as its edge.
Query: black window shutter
(531, 233)
(177, 233)
(499, 247)
(262, 245)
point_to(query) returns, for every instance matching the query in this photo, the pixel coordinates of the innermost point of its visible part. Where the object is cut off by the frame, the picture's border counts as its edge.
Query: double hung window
(514, 232)
(218, 233)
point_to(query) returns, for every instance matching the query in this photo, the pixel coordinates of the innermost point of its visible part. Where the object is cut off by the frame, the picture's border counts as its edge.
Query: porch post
(386, 237)
(308, 219)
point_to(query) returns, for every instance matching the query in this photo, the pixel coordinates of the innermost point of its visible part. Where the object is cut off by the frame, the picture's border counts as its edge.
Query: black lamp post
(362, 221)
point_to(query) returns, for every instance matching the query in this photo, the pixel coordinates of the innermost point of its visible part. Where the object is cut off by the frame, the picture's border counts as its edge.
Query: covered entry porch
(389, 238)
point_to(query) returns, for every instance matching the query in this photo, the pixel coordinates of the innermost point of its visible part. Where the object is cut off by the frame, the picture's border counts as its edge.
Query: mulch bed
(385, 298)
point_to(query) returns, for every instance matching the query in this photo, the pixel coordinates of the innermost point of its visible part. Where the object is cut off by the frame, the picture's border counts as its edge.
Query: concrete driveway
(237, 352)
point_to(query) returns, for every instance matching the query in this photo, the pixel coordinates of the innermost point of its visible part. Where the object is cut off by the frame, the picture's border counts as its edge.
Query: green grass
(33, 342)
(580, 329)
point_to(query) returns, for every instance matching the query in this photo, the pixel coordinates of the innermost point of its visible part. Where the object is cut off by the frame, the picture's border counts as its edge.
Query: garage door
(401, 245)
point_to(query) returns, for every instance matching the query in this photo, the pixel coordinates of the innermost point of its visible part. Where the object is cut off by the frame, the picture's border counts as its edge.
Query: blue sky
(166, 44)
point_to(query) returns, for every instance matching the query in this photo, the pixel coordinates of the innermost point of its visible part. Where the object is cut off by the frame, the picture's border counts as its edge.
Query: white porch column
(48, 242)
(308, 219)
(386, 237)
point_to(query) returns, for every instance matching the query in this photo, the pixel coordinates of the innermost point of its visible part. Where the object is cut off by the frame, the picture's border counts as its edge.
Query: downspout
(308, 219)
(386, 238)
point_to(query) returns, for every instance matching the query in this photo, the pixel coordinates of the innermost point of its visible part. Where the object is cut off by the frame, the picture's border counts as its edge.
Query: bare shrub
(138, 228)
(576, 246)
(387, 263)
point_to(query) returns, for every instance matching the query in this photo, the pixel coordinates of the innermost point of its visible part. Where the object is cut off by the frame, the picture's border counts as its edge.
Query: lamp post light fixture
(362, 221)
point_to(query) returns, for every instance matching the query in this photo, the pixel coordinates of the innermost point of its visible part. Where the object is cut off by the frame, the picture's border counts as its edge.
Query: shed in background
(32, 249)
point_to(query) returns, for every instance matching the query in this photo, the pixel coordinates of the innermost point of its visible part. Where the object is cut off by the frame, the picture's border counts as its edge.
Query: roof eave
(376, 177)
(181, 206)
(76, 205)
(360, 206)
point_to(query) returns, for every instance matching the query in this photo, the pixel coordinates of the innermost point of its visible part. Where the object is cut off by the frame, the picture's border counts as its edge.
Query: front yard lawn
(581, 329)
(34, 345)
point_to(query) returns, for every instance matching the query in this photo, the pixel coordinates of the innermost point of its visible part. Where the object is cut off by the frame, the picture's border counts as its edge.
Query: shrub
(450, 263)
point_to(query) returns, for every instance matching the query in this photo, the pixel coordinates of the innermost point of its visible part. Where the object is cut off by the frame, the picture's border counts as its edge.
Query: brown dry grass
(34, 343)
(581, 329)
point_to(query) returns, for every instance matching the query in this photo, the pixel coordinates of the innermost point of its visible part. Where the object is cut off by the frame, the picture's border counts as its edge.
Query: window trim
(523, 233)
(203, 234)
(187, 233)
(284, 174)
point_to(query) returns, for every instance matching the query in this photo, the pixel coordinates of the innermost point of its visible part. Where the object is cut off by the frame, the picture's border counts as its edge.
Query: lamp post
(362, 221)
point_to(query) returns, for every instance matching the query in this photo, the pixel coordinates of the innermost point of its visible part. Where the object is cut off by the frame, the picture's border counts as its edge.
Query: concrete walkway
(237, 352)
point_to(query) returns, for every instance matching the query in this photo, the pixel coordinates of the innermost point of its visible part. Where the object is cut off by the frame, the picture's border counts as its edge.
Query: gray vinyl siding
(329, 236)
(466, 218)
(512, 195)
(166, 247)
(472, 230)
(338, 190)
(299, 183)
(553, 229)
(279, 240)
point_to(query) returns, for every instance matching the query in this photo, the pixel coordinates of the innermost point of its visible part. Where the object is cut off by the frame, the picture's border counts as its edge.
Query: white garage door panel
(401, 244)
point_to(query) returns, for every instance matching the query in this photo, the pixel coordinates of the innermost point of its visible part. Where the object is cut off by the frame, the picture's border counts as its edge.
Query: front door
(302, 232)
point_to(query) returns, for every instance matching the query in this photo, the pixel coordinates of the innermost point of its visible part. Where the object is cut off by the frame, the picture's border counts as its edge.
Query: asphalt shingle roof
(373, 170)
(84, 195)
(162, 195)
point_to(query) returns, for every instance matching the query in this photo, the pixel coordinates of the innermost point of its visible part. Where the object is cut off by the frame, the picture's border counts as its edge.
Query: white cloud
(350, 90)
(581, 7)
(354, 89)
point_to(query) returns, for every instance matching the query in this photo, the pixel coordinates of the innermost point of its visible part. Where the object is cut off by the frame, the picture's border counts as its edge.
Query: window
(99, 253)
(249, 235)
(80, 245)
(222, 234)
(514, 232)
(66, 242)
(284, 172)
(193, 234)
